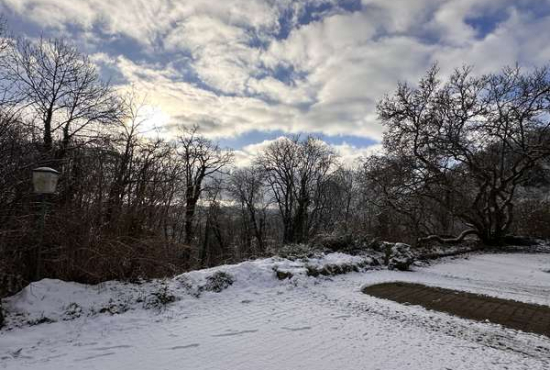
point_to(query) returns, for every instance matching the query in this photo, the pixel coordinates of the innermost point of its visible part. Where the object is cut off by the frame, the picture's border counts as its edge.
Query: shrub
(398, 256)
(217, 282)
(73, 310)
(162, 297)
(42, 320)
(114, 308)
(332, 270)
(283, 275)
(334, 243)
(297, 251)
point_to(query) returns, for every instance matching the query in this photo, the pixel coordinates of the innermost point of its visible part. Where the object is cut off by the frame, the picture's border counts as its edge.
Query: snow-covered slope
(55, 300)
(260, 322)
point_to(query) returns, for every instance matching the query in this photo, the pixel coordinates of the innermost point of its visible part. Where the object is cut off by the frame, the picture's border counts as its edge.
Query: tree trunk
(48, 139)
(190, 208)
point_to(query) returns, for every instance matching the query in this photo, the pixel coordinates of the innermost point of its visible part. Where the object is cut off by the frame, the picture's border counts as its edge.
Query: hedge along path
(512, 314)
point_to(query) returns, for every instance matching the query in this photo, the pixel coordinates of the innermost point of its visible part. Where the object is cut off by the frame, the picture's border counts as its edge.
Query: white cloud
(351, 155)
(348, 155)
(218, 116)
(326, 76)
(247, 154)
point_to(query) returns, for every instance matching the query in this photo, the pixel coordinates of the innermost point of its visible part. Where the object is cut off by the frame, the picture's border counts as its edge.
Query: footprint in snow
(55, 357)
(192, 345)
(234, 333)
(112, 347)
(95, 356)
(297, 329)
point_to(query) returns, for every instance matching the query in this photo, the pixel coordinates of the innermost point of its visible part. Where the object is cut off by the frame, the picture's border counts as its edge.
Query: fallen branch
(441, 240)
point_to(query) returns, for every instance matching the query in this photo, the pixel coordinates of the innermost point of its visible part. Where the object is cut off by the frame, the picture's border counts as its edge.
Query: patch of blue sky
(257, 40)
(486, 23)
(311, 12)
(19, 25)
(256, 136)
(286, 73)
(286, 23)
(314, 12)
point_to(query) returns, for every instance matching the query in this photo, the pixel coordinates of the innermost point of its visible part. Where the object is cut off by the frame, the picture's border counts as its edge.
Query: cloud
(348, 155)
(237, 66)
(351, 155)
(246, 155)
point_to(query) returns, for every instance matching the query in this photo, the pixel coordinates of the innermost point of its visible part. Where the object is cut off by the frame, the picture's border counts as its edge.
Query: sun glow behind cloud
(152, 119)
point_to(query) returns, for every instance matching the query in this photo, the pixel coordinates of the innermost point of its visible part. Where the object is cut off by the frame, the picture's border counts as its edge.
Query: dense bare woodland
(465, 156)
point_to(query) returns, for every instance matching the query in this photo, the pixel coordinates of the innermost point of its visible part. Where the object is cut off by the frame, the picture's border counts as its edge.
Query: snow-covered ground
(260, 322)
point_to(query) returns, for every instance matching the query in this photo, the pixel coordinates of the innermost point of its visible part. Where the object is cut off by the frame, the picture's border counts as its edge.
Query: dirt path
(516, 315)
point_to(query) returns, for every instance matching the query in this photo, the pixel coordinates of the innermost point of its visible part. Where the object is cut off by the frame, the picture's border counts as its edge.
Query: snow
(57, 300)
(260, 322)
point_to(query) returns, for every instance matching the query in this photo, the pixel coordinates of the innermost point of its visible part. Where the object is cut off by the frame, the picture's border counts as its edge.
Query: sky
(250, 71)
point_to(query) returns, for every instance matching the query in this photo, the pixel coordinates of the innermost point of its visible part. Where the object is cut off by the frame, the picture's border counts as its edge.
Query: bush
(162, 297)
(73, 310)
(332, 270)
(297, 251)
(334, 243)
(346, 243)
(218, 282)
(42, 320)
(282, 275)
(398, 256)
(114, 308)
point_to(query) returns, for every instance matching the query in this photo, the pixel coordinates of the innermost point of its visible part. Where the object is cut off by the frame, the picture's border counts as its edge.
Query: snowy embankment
(261, 322)
(52, 300)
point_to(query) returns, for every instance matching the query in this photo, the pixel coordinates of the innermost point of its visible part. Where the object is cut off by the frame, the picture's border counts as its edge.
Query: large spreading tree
(468, 143)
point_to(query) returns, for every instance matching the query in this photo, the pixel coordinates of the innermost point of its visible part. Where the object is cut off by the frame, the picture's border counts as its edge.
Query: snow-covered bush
(218, 282)
(114, 308)
(162, 297)
(331, 270)
(283, 275)
(41, 320)
(325, 265)
(73, 310)
(398, 256)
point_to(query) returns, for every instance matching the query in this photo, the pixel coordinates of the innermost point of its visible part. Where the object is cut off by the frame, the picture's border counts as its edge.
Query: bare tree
(60, 87)
(337, 201)
(215, 248)
(295, 170)
(200, 158)
(395, 189)
(126, 141)
(247, 186)
(471, 141)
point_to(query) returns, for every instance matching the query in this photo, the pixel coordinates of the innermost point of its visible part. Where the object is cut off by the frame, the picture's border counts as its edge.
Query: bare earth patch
(516, 315)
